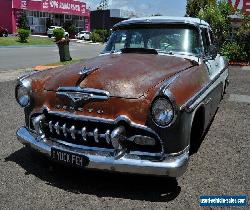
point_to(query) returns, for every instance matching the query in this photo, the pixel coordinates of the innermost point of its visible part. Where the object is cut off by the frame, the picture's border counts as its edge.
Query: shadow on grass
(101, 184)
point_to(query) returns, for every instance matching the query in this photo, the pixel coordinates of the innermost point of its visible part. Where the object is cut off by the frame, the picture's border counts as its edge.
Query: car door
(213, 67)
(211, 63)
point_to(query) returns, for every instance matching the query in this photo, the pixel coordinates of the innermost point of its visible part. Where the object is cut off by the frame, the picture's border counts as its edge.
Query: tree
(22, 21)
(217, 15)
(243, 35)
(194, 6)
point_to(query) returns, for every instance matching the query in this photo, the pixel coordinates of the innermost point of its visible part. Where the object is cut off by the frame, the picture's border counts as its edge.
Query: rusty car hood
(122, 75)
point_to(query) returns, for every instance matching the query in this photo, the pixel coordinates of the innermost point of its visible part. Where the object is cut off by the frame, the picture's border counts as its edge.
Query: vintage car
(140, 107)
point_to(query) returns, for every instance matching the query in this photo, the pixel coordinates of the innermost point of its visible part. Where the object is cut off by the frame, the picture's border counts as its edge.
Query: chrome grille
(67, 131)
(94, 133)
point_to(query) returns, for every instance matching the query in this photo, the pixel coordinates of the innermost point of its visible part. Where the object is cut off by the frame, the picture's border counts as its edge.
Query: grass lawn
(65, 62)
(14, 41)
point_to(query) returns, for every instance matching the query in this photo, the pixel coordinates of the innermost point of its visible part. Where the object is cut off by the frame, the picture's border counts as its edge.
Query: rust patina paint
(133, 81)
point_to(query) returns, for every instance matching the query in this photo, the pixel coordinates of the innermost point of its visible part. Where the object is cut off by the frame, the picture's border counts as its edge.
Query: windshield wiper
(139, 50)
(166, 52)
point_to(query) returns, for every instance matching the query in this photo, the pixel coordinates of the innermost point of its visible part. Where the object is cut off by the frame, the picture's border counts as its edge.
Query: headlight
(23, 95)
(162, 112)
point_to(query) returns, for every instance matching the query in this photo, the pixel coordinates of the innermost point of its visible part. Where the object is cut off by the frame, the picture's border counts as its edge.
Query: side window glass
(205, 39)
(212, 37)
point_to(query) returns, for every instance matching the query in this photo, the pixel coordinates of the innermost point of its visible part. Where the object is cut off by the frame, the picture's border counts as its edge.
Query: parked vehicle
(83, 35)
(51, 29)
(140, 107)
(3, 32)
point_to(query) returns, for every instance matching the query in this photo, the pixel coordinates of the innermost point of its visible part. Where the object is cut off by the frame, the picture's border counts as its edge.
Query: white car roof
(164, 19)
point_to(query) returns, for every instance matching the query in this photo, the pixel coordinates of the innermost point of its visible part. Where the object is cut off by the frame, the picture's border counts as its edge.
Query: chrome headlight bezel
(22, 93)
(169, 100)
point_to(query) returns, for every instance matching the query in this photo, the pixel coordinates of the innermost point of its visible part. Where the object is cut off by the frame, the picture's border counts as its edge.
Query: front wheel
(49, 35)
(6, 35)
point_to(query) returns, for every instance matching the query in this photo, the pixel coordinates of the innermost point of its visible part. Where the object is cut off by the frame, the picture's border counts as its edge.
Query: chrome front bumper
(172, 166)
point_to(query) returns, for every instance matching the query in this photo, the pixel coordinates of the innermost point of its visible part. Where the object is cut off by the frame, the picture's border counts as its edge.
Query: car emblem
(77, 97)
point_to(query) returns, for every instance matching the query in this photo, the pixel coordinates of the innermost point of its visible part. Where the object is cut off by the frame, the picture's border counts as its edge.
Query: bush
(103, 34)
(22, 22)
(234, 51)
(217, 15)
(70, 28)
(58, 34)
(243, 35)
(23, 35)
(95, 37)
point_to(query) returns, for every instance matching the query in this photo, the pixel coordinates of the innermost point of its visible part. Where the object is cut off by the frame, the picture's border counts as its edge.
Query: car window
(205, 39)
(136, 40)
(211, 37)
(176, 39)
(119, 41)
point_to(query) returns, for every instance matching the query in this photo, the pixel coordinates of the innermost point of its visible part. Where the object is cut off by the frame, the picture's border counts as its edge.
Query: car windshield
(170, 39)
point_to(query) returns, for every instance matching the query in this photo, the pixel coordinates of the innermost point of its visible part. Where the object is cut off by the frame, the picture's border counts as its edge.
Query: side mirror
(212, 51)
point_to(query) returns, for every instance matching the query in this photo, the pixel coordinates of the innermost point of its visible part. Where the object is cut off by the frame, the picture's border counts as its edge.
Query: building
(106, 19)
(41, 13)
(239, 6)
(243, 5)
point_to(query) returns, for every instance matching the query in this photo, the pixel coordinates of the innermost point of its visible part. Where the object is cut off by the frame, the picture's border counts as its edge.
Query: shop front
(41, 14)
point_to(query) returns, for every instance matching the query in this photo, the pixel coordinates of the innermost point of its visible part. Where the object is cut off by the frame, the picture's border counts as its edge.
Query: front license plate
(68, 158)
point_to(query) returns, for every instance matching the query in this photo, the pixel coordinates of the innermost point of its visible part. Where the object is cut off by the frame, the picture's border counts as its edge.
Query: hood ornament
(87, 70)
(78, 96)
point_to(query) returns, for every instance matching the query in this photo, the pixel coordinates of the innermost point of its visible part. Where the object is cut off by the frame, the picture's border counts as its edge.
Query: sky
(145, 7)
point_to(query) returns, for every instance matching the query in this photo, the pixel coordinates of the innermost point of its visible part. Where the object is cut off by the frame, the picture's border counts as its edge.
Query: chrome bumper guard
(172, 166)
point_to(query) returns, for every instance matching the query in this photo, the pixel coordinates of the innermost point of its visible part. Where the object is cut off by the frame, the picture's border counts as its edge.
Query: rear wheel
(197, 131)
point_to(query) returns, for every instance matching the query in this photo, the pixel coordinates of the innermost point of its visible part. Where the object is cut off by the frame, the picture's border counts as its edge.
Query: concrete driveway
(221, 166)
(27, 57)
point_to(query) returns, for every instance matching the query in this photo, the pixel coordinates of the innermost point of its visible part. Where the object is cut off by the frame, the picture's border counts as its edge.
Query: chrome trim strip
(84, 90)
(190, 104)
(170, 166)
(179, 153)
(86, 148)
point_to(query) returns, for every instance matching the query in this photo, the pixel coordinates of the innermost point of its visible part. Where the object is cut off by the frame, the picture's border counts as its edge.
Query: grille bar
(55, 128)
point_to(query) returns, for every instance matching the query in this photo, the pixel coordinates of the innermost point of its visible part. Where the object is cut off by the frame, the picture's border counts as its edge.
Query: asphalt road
(221, 166)
(27, 57)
